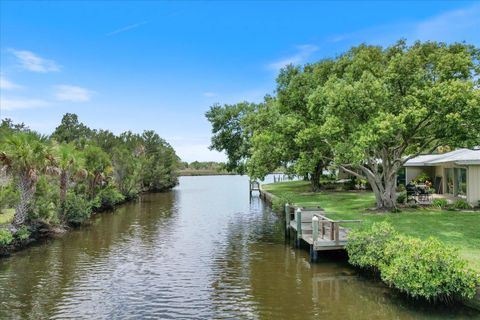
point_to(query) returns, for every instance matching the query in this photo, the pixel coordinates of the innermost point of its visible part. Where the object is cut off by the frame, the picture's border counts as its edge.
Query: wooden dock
(311, 226)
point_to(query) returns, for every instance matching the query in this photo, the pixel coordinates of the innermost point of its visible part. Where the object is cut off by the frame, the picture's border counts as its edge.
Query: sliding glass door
(456, 181)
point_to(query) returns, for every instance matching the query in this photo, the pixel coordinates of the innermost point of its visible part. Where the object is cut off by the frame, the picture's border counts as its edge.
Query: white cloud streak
(210, 94)
(6, 84)
(127, 28)
(71, 93)
(32, 62)
(302, 54)
(450, 26)
(21, 103)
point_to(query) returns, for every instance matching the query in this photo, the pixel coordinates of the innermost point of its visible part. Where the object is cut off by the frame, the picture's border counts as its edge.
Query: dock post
(287, 220)
(313, 252)
(298, 217)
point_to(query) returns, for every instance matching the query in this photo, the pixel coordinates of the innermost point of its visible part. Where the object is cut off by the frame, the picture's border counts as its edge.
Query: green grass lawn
(459, 229)
(6, 215)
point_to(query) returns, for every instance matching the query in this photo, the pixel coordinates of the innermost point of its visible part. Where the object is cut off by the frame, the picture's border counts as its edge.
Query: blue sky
(160, 65)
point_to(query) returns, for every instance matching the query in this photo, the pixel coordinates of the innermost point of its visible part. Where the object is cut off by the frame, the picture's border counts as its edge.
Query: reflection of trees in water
(33, 281)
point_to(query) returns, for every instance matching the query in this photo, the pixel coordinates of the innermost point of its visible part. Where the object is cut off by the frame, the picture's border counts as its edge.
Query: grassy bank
(459, 229)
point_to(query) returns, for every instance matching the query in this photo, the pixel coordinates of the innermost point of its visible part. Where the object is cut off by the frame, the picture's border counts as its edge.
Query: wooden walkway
(310, 225)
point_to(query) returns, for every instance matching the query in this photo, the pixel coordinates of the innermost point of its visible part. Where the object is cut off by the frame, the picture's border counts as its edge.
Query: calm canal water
(202, 251)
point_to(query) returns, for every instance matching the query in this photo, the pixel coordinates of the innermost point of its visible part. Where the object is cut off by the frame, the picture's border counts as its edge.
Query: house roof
(460, 157)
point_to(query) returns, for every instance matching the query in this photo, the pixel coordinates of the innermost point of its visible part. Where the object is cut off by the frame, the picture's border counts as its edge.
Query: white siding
(473, 187)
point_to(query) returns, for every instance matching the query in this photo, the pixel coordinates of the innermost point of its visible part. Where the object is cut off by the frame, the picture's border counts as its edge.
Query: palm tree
(24, 155)
(68, 162)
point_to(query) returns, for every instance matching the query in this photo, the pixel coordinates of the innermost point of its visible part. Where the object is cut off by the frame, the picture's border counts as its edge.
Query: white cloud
(21, 103)
(32, 62)
(6, 84)
(66, 92)
(302, 54)
(129, 27)
(452, 25)
(210, 94)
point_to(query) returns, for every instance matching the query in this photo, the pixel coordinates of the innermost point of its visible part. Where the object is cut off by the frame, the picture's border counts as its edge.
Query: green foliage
(107, 198)
(229, 134)
(402, 197)
(45, 204)
(440, 203)
(25, 155)
(70, 130)
(422, 177)
(6, 237)
(77, 208)
(23, 233)
(366, 246)
(427, 269)
(9, 196)
(461, 204)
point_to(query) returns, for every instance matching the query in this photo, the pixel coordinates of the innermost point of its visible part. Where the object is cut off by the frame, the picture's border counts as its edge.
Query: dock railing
(319, 223)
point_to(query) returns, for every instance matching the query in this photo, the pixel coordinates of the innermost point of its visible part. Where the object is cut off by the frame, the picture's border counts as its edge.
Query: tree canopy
(367, 111)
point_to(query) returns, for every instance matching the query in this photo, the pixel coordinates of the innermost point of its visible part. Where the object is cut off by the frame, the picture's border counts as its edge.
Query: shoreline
(42, 231)
(269, 197)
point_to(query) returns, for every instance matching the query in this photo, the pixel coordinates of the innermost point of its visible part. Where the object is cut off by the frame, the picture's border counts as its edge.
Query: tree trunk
(315, 177)
(384, 186)
(27, 189)
(382, 183)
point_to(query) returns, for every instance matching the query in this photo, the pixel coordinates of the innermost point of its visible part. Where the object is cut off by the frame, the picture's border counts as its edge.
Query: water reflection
(202, 251)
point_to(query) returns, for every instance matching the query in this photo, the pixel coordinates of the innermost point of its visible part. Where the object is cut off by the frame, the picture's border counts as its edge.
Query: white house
(455, 174)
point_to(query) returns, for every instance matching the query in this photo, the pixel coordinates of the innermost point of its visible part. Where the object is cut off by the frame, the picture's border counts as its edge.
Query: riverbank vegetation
(61, 179)
(426, 269)
(366, 112)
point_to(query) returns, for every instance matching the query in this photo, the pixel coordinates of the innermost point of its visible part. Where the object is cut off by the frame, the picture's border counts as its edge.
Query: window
(449, 181)
(401, 178)
(461, 182)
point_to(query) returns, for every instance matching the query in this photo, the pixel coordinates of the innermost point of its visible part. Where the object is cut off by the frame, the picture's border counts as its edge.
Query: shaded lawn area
(6, 215)
(459, 229)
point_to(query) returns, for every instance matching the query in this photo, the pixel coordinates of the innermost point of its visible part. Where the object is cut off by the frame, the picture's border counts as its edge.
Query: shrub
(402, 197)
(427, 269)
(107, 198)
(23, 233)
(366, 245)
(77, 208)
(6, 237)
(440, 203)
(8, 196)
(461, 204)
(45, 204)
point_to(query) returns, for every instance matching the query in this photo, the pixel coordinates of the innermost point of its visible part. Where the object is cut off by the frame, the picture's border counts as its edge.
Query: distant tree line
(203, 165)
(366, 111)
(64, 177)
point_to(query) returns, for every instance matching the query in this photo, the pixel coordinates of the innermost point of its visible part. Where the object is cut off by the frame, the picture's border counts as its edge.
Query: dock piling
(287, 220)
(298, 218)
(313, 252)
